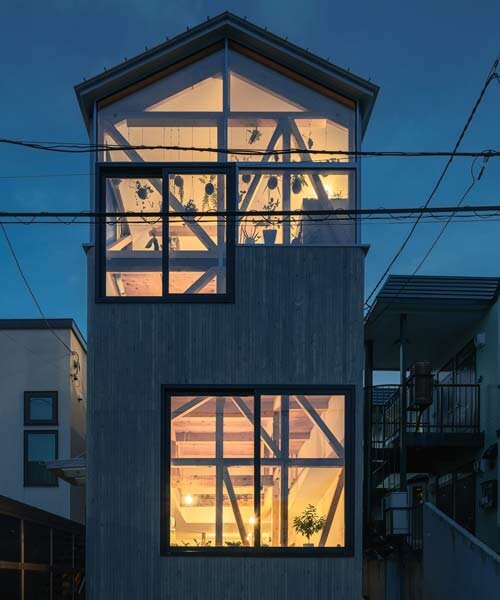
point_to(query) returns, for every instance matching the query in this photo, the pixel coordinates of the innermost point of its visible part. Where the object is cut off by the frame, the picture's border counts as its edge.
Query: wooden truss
(276, 456)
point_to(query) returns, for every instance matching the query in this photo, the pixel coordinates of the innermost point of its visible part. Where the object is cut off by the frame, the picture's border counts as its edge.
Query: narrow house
(225, 415)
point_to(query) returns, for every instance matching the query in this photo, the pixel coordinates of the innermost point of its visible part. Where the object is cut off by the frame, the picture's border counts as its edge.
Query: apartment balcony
(449, 424)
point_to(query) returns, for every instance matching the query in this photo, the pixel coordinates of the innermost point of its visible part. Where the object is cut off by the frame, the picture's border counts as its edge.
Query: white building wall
(34, 360)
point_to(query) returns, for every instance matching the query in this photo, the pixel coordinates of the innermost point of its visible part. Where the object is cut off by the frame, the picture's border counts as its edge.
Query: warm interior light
(188, 500)
(251, 520)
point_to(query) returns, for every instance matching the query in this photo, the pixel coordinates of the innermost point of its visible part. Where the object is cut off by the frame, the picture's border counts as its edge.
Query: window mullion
(165, 234)
(285, 455)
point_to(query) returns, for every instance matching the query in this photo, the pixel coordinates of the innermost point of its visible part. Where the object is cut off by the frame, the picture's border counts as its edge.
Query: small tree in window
(308, 523)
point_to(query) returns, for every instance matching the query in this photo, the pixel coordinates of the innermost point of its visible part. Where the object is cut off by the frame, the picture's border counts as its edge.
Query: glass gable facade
(226, 108)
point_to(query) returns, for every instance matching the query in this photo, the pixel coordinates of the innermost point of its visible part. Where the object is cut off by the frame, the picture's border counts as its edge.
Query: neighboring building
(43, 406)
(227, 358)
(447, 452)
(42, 555)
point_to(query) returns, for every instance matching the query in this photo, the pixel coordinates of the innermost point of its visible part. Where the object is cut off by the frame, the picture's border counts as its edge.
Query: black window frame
(160, 170)
(348, 391)
(27, 433)
(28, 396)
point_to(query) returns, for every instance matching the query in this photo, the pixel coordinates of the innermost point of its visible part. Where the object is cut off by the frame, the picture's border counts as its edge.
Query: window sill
(263, 552)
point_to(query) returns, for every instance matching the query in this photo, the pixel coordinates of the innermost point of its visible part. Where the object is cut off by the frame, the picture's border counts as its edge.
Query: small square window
(40, 408)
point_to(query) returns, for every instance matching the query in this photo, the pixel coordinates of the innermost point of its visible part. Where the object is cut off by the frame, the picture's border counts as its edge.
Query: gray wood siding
(297, 318)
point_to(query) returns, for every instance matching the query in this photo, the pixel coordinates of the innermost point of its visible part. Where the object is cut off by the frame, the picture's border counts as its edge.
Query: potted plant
(173, 243)
(250, 235)
(269, 223)
(190, 207)
(308, 523)
(296, 234)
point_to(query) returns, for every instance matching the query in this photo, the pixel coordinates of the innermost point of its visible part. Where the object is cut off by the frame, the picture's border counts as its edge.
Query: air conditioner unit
(420, 385)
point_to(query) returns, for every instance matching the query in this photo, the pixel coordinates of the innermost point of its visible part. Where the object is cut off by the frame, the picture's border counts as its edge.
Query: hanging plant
(209, 196)
(272, 182)
(310, 142)
(143, 191)
(255, 135)
(179, 183)
(298, 182)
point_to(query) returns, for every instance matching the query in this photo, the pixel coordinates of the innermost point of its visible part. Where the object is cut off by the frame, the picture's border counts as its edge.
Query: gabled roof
(214, 31)
(441, 311)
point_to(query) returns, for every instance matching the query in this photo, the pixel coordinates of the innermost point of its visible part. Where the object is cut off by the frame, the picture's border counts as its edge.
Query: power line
(71, 352)
(81, 148)
(42, 176)
(340, 212)
(433, 244)
(492, 75)
(345, 222)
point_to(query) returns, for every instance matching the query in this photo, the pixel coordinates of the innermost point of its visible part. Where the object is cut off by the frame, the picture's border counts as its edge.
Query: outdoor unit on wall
(396, 514)
(420, 384)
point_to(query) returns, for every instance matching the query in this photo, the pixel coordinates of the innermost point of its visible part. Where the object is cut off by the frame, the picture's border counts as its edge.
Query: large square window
(259, 471)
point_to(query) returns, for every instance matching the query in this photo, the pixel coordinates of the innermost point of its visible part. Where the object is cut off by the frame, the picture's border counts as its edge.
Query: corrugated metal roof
(423, 288)
(440, 310)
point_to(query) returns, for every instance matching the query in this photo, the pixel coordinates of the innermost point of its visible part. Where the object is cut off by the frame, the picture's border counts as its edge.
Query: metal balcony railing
(454, 409)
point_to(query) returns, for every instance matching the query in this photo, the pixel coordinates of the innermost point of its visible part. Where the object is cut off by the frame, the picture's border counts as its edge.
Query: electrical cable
(433, 244)
(73, 353)
(81, 148)
(492, 75)
(240, 215)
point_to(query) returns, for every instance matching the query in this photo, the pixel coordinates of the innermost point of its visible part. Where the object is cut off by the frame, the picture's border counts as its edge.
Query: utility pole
(403, 342)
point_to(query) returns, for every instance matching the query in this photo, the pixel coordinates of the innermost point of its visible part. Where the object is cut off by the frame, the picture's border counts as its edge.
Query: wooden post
(221, 234)
(219, 468)
(276, 475)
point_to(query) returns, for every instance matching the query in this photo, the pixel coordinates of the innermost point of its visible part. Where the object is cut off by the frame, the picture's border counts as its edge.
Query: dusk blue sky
(430, 60)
